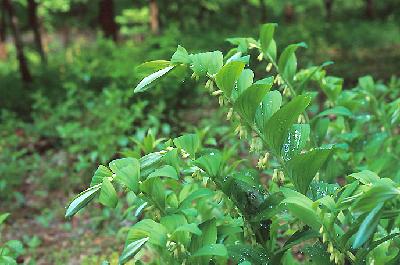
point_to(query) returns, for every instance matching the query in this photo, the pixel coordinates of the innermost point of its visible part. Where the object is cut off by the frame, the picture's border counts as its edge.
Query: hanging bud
(275, 175)
(260, 57)
(269, 67)
(286, 91)
(208, 84)
(217, 93)
(238, 129)
(184, 154)
(281, 176)
(221, 101)
(229, 115)
(321, 230)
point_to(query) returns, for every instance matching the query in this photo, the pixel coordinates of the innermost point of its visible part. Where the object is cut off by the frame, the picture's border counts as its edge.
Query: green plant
(10, 250)
(199, 204)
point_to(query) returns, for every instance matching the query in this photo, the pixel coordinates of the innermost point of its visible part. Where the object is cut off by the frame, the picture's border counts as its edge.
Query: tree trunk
(3, 48)
(106, 19)
(154, 20)
(33, 21)
(328, 9)
(23, 65)
(369, 9)
(289, 12)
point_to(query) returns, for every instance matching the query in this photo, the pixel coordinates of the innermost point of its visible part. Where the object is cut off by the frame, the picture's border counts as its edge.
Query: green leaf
(365, 177)
(195, 195)
(368, 226)
(207, 237)
(155, 189)
(210, 163)
(268, 45)
(254, 254)
(149, 163)
(180, 56)
(338, 111)
(245, 80)
(165, 171)
(146, 82)
(148, 68)
(108, 195)
(277, 127)
(287, 63)
(131, 250)
(301, 207)
(191, 228)
(101, 173)
(3, 217)
(156, 233)
(212, 250)
(188, 142)
(318, 254)
(127, 172)
(82, 200)
(269, 207)
(296, 139)
(269, 105)
(228, 75)
(247, 103)
(207, 62)
(303, 167)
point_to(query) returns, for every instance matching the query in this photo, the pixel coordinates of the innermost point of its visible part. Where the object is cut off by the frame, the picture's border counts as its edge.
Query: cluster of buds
(229, 115)
(335, 254)
(210, 85)
(195, 76)
(256, 144)
(163, 152)
(286, 91)
(278, 176)
(184, 154)
(241, 131)
(263, 161)
(278, 80)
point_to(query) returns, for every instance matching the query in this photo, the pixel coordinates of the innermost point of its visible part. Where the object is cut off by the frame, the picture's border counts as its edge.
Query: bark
(154, 19)
(107, 19)
(289, 12)
(369, 9)
(3, 48)
(33, 21)
(263, 10)
(23, 65)
(328, 9)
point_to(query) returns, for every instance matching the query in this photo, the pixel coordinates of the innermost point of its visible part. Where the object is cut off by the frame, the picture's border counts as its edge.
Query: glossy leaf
(277, 127)
(270, 104)
(303, 167)
(180, 56)
(82, 200)
(191, 228)
(287, 63)
(210, 163)
(228, 75)
(338, 111)
(207, 62)
(211, 250)
(147, 81)
(296, 140)
(131, 250)
(127, 172)
(108, 195)
(165, 171)
(188, 142)
(268, 45)
(156, 233)
(101, 173)
(247, 103)
(245, 80)
(368, 226)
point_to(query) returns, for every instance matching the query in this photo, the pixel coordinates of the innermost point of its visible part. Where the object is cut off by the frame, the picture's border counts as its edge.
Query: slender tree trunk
(328, 9)
(107, 20)
(369, 9)
(154, 19)
(3, 48)
(23, 65)
(289, 12)
(33, 21)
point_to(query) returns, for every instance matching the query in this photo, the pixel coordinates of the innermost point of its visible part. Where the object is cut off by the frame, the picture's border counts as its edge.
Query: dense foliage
(198, 203)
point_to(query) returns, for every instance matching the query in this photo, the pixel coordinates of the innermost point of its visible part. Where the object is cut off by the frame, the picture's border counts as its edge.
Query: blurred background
(67, 73)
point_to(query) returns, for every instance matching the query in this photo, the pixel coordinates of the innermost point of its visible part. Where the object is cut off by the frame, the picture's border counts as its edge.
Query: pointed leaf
(278, 125)
(228, 75)
(212, 250)
(207, 62)
(146, 82)
(131, 250)
(269, 105)
(303, 167)
(101, 172)
(156, 233)
(188, 142)
(82, 200)
(210, 163)
(127, 172)
(268, 45)
(296, 139)
(108, 195)
(180, 56)
(165, 171)
(287, 63)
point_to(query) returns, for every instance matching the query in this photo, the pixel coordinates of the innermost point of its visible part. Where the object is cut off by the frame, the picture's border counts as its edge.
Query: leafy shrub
(196, 204)
(10, 250)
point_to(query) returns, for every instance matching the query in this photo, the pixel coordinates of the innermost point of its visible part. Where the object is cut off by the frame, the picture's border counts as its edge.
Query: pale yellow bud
(269, 67)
